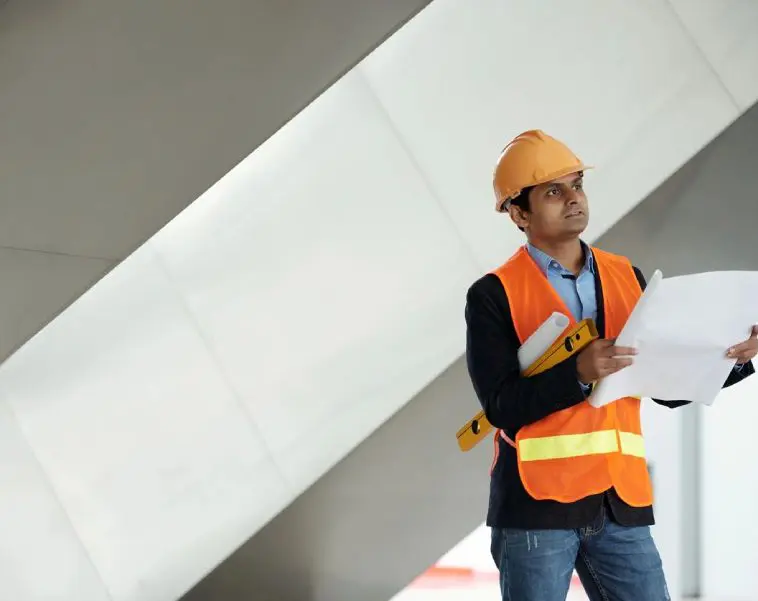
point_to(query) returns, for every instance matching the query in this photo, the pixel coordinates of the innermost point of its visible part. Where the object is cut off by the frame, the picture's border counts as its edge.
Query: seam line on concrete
(48, 484)
(694, 41)
(57, 253)
(218, 364)
(402, 142)
(110, 265)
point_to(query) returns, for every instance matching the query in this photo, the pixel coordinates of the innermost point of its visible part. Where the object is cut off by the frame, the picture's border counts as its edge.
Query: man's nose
(571, 196)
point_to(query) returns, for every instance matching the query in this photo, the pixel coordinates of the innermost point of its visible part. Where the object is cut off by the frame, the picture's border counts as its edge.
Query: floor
(486, 593)
(467, 573)
(474, 593)
(463, 584)
(483, 593)
(480, 593)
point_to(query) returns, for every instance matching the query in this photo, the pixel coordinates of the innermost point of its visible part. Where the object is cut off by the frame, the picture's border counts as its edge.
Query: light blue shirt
(577, 292)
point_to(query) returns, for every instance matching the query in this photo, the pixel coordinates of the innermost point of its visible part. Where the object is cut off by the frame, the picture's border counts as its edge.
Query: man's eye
(552, 191)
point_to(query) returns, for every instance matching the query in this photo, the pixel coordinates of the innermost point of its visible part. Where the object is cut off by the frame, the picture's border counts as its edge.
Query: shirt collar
(545, 262)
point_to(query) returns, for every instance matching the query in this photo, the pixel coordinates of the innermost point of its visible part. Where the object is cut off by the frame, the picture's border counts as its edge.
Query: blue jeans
(614, 563)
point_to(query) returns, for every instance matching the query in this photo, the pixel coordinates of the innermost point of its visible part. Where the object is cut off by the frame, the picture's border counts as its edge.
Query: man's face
(557, 210)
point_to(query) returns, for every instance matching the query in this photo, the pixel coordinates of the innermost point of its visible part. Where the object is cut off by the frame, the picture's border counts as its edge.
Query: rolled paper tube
(542, 339)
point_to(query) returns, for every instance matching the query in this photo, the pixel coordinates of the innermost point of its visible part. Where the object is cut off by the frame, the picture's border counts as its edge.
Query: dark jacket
(511, 402)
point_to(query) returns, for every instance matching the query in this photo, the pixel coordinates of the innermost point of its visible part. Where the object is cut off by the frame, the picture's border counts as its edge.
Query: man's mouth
(574, 214)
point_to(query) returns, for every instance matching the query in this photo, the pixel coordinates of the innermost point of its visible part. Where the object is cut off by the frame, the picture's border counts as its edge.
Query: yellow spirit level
(568, 344)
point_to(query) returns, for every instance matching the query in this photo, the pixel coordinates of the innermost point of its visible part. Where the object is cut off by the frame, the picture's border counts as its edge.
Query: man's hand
(745, 351)
(602, 358)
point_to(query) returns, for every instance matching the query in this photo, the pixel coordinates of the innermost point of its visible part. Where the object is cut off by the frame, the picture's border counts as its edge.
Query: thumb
(754, 331)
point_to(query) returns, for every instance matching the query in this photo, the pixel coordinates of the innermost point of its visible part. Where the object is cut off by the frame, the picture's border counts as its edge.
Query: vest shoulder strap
(610, 258)
(515, 258)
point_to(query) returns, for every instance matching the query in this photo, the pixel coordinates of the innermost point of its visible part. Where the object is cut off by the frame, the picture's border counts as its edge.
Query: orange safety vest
(579, 451)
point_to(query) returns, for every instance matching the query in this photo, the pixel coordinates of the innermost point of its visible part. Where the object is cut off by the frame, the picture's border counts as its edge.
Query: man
(569, 484)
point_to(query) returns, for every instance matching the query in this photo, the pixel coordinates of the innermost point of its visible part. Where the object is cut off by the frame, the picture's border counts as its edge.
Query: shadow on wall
(702, 218)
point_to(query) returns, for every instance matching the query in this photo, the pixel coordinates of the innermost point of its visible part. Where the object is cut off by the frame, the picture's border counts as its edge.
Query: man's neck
(568, 253)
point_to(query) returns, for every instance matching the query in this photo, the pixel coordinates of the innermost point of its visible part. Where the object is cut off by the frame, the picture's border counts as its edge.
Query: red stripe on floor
(461, 577)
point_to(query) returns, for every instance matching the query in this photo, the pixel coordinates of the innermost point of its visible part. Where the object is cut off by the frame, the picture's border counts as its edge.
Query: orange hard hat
(530, 159)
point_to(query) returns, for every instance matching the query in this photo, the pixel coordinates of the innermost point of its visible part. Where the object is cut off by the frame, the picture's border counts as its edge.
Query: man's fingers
(611, 366)
(619, 351)
(623, 351)
(744, 355)
(621, 363)
(749, 346)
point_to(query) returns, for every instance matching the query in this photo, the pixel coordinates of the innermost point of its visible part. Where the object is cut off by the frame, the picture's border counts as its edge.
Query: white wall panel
(725, 31)
(40, 555)
(602, 75)
(729, 488)
(147, 448)
(326, 279)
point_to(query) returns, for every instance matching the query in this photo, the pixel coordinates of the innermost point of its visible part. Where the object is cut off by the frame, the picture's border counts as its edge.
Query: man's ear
(518, 216)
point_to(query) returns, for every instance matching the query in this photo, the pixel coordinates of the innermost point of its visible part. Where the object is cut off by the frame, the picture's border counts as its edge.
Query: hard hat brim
(502, 205)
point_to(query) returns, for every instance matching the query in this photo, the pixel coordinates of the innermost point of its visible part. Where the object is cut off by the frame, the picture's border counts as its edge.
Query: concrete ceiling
(114, 116)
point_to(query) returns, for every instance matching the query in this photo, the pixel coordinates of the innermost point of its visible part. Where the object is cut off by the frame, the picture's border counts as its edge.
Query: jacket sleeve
(738, 374)
(509, 400)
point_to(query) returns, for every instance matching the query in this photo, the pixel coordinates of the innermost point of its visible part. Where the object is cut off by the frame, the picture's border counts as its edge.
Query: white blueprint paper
(682, 328)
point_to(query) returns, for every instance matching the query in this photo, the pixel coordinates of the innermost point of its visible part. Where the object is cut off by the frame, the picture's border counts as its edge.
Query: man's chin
(577, 228)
